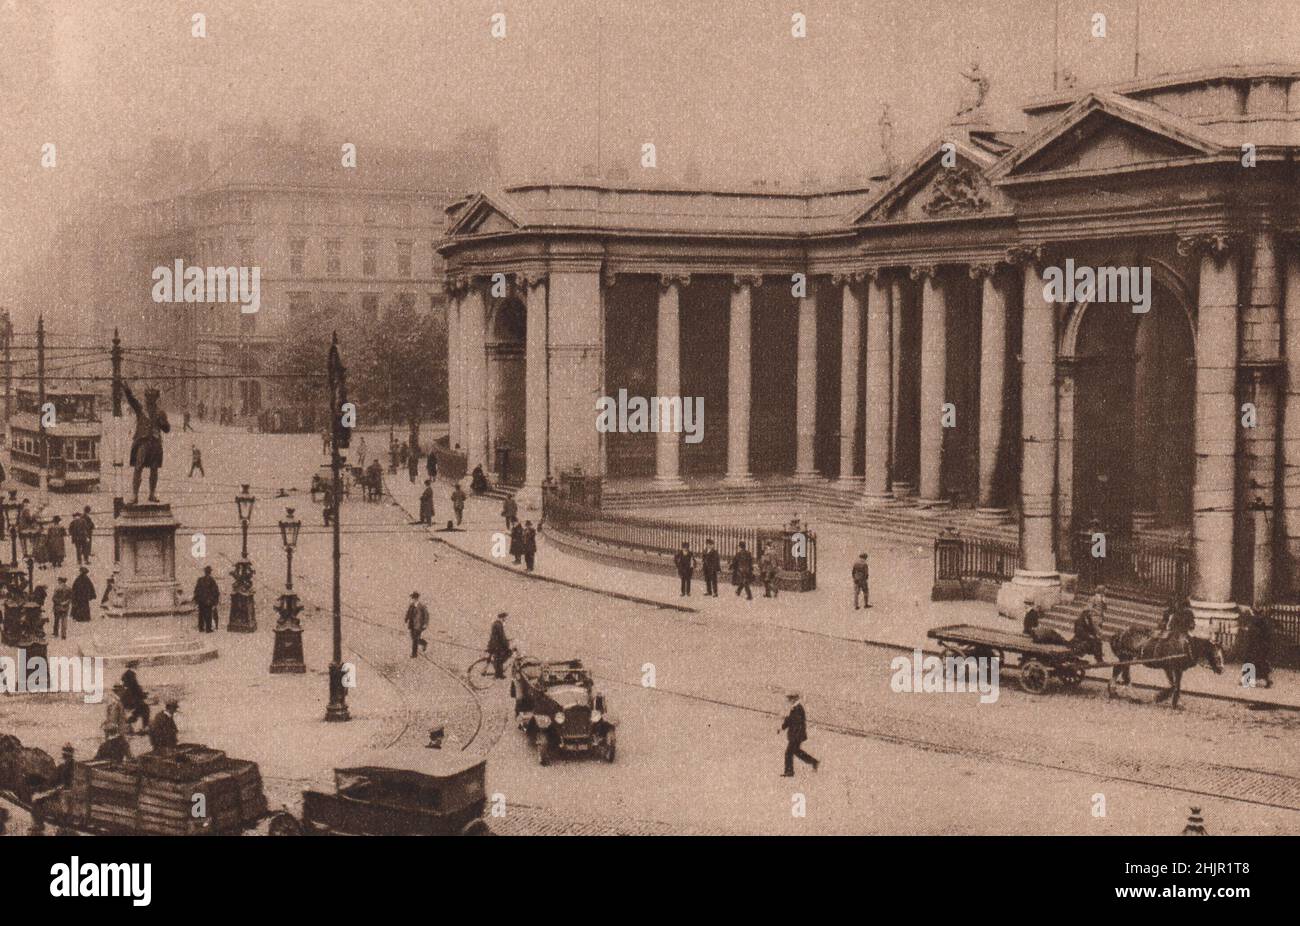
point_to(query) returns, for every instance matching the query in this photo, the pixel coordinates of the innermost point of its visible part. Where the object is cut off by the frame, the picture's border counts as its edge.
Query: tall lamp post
(338, 707)
(243, 613)
(14, 580)
(287, 656)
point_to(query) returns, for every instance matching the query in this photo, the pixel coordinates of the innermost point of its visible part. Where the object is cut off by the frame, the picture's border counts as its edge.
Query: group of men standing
(742, 570)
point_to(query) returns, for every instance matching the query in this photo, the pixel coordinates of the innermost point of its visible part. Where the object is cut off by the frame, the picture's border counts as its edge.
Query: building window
(299, 307)
(403, 259)
(333, 257)
(370, 306)
(297, 254)
(369, 257)
(405, 301)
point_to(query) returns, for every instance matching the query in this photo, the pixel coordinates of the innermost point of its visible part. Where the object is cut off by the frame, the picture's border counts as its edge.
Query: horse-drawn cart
(1038, 663)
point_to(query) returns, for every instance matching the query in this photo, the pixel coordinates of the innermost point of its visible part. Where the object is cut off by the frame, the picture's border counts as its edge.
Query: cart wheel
(284, 824)
(543, 750)
(1033, 677)
(476, 827)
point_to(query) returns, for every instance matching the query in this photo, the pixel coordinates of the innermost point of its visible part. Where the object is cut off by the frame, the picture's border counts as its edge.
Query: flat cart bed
(1037, 663)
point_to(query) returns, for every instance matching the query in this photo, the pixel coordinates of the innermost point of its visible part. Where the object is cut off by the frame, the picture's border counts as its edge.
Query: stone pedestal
(1041, 590)
(243, 608)
(287, 657)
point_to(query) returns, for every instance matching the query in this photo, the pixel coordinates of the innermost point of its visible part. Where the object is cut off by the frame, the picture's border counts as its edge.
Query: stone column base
(1040, 589)
(933, 503)
(1214, 617)
(850, 483)
(993, 515)
(529, 498)
(902, 489)
(874, 500)
(739, 479)
(669, 482)
(808, 475)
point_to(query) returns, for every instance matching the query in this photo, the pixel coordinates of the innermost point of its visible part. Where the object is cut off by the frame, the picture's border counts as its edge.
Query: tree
(400, 368)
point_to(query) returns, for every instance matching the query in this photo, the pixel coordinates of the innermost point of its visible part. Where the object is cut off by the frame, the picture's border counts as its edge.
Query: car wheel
(543, 750)
(284, 824)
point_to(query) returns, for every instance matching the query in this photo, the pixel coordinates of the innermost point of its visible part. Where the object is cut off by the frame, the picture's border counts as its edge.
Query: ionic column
(934, 369)
(1214, 483)
(1037, 582)
(1146, 405)
(455, 358)
(1291, 411)
(575, 333)
(850, 327)
(806, 388)
(668, 363)
(900, 487)
(993, 360)
(1260, 352)
(474, 311)
(537, 384)
(879, 403)
(738, 378)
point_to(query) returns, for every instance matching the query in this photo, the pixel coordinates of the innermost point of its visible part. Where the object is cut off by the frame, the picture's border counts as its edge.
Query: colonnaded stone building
(925, 298)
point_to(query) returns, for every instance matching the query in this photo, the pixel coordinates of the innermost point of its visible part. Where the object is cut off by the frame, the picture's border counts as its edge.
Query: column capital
(608, 276)
(1026, 253)
(746, 279)
(456, 284)
(530, 278)
(1209, 244)
(668, 279)
(986, 268)
(920, 271)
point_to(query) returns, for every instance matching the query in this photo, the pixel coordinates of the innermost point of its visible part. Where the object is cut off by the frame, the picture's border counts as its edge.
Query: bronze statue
(146, 445)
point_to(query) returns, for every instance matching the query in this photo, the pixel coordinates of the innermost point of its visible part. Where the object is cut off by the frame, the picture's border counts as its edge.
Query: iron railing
(1142, 568)
(662, 536)
(960, 561)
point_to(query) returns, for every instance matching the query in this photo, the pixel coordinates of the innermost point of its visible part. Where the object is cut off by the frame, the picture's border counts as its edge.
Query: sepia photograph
(725, 418)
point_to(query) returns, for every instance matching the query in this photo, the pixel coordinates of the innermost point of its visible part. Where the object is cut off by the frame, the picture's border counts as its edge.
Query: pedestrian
(361, 453)
(795, 726)
(114, 748)
(478, 483)
(498, 647)
(530, 545)
(135, 701)
(185, 422)
(206, 595)
(1098, 607)
(1257, 645)
(431, 464)
(62, 606)
(711, 565)
(768, 571)
(108, 592)
(196, 461)
(77, 534)
(426, 503)
(413, 464)
(162, 729)
(417, 620)
(742, 571)
(83, 593)
(1087, 637)
(684, 560)
(55, 548)
(392, 456)
(28, 529)
(517, 542)
(861, 582)
(458, 503)
(510, 511)
(90, 530)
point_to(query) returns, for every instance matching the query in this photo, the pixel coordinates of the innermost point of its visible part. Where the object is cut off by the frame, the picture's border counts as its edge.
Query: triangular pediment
(948, 180)
(1104, 133)
(482, 215)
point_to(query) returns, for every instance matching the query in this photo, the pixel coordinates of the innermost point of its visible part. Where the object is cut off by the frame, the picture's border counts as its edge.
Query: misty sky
(719, 86)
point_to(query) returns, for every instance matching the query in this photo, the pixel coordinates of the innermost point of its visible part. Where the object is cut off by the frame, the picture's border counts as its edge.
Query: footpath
(900, 615)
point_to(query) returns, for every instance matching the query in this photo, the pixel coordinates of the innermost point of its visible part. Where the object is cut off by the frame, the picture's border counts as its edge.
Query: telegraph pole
(338, 706)
(40, 403)
(7, 330)
(117, 429)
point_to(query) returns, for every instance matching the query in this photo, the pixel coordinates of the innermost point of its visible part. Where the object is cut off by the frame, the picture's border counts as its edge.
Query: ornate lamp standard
(337, 710)
(287, 656)
(10, 508)
(11, 574)
(243, 613)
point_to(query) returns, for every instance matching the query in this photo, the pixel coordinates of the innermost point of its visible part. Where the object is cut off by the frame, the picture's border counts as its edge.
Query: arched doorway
(507, 390)
(1134, 416)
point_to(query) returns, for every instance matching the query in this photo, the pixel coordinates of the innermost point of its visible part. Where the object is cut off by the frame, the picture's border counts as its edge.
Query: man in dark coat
(767, 571)
(55, 548)
(83, 593)
(206, 596)
(711, 565)
(77, 534)
(498, 646)
(478, 483)
(426, 503)
(413, 463)
(431, 464)
(62, 607)
(90, 530)
(517, 542)
(1087, 638)
(861, 581)
(684, 560)
(530, 545)
(135, 702)
(742, 571)
(458, 503)
(417, 621)
(795, 726)
(1257, 645)
(510, 511)
(162, 729)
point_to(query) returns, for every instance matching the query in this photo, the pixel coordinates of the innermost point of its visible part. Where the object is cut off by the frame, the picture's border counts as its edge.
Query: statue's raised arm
(146, 444)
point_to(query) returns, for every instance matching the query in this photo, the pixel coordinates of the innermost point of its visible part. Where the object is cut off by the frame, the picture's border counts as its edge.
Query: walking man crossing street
(861, 582)
(417, 620)
(795, 726)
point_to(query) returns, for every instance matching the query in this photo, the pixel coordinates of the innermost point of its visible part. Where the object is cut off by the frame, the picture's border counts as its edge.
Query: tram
(73, 438)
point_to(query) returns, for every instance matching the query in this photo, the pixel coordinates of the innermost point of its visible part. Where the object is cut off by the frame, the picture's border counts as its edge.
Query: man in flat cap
(162, 729)
(795, 726)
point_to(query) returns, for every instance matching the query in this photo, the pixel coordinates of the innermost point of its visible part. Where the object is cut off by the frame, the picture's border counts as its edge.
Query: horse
(1155, 652)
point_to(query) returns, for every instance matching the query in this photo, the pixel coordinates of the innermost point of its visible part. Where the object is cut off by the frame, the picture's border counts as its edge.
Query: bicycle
(482, 672)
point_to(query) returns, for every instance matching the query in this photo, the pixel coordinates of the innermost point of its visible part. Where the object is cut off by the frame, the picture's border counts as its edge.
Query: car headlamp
(595, 716)
(559, 717)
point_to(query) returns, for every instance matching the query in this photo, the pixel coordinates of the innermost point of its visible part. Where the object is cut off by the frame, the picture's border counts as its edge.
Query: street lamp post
(287, 656)
(337, 710)
(243, 611)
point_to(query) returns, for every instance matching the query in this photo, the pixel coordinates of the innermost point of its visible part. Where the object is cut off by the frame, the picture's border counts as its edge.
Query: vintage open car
(396, 792)
(557, 705)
